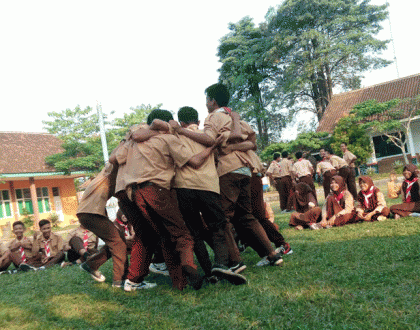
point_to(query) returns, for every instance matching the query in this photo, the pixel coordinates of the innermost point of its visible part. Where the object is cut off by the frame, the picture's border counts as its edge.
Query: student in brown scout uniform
(149, 173)
(394, 187)
(372, 204)
(308, 213)
(303, 171)
(343, 170)
(339, 206)
(325, 168)
(411, 194)
(281, 174)
(92, 215)
(79, 244)
(350, 160)
(234, 174)
(21, 248)
(48, 246)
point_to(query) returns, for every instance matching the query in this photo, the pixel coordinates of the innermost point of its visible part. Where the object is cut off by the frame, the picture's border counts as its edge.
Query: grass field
(363, 276)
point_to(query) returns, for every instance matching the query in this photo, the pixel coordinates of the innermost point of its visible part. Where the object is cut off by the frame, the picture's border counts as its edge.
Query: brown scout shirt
(324, 166)
(274, 170)
(219, 122)
(349, 157)
(3, 249)
(80, 232)
(302, 167)
(56, 244)
(337, 162)
(286, 166)
(348, 204)
(97, 193)
(154, 160)
(381, 203)
(25, 242)
(203, 178)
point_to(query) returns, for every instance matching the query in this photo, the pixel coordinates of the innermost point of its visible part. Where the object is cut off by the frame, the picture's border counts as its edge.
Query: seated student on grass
(308, 213)
(394, 187)
(48, 246)
(80, 243)
(5, 260)
(411, 195)
(339, 206)
(21, 248)
(371, 202)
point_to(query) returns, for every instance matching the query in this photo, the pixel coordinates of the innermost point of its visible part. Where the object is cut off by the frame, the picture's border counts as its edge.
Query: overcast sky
(58, 54)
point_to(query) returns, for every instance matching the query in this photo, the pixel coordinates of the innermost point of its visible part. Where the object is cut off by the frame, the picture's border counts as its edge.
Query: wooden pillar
(13, 200)
(34, 202)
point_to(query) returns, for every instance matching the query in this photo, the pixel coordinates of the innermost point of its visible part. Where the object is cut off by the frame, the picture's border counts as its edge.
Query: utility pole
(102, 131)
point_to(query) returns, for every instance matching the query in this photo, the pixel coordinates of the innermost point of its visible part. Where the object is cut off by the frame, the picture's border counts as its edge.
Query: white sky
(58, 54)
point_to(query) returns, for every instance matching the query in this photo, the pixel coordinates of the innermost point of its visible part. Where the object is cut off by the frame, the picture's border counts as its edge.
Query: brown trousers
(284, 186)
(106, 230)
(404, 209)
(313, 215)
(76, 244)
(5, 263)
(235, 191)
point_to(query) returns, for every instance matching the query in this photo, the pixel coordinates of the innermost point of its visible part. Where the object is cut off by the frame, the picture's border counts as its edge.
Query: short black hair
(161, 114)
(18, 223)
(329, 150)
(43, 222)
(188, 115)
(284, 154)
(298, 154)
(276, 155)
(219, 93)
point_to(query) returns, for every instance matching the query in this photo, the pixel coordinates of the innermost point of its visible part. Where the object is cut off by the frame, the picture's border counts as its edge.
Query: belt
(144, 184)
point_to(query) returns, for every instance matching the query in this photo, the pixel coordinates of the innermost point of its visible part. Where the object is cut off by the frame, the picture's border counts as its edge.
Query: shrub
(53, 217)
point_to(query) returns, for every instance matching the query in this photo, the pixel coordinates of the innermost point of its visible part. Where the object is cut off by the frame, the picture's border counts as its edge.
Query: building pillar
(411, 144)
(34, 202)
(13, 200)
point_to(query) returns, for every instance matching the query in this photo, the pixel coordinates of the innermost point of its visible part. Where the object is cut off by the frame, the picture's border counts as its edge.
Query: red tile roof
(341, 104)
(25, 152)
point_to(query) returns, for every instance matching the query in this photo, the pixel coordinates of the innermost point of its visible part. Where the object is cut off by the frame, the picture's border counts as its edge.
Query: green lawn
(363, 276)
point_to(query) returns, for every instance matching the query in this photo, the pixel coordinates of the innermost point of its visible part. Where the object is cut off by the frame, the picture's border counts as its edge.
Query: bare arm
(144, 134)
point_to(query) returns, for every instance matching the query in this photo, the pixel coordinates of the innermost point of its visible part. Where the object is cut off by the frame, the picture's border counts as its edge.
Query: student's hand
(368, 217)
(175, 125)
(44, 260)
(331, 220)
(311, 205)
(218, 141)
(324, 222)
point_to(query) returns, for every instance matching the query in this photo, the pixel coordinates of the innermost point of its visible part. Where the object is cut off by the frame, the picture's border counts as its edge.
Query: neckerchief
(47, 248)
(126, 231)
(339, 196)
(408, 189)
(367, 195)
(85, 239)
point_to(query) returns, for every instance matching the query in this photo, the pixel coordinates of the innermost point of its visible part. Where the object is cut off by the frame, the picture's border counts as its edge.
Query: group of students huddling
(294, 182)
(180, 189)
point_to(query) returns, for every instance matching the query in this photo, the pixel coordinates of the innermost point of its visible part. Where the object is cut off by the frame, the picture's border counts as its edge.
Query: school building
(27, 182)
(385, 152)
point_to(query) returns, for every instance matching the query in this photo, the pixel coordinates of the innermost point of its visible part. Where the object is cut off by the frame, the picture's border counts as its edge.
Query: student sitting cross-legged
(372, 204)
(308, 213)
(339, 206)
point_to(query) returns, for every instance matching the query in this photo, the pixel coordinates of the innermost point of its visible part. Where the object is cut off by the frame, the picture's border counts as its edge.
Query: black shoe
(239, 267)
(276, 260)
(212, 279)
(225, 273)
(25, 267)
(193, 277)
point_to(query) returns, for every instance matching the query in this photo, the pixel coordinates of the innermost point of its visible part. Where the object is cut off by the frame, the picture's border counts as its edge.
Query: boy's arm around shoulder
(199, 137)
(198, 159)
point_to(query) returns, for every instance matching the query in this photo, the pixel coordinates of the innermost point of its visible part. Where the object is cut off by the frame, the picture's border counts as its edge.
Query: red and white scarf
(85, 239)
(126, 231)
(367, 195)
(22, 254)
(47, 248)
(339, 196)
(408, 189)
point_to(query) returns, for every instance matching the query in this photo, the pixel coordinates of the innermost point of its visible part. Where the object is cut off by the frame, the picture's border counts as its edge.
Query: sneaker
(327, 227)
(159, 269)
(118, 284)
(131, 286)
(299, 227)
(225, 273)
(284, 249)
(277, 260)
(382, 217)
(65, 264)
(263, 262)
(212, 279)
(238, 268)
(96, 274)
(25, 267)
(13, 271)
(414, 214)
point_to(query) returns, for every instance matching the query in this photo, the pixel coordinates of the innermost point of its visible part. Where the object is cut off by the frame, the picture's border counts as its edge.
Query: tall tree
(392, 118)
(245, 71)
(321, 44)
